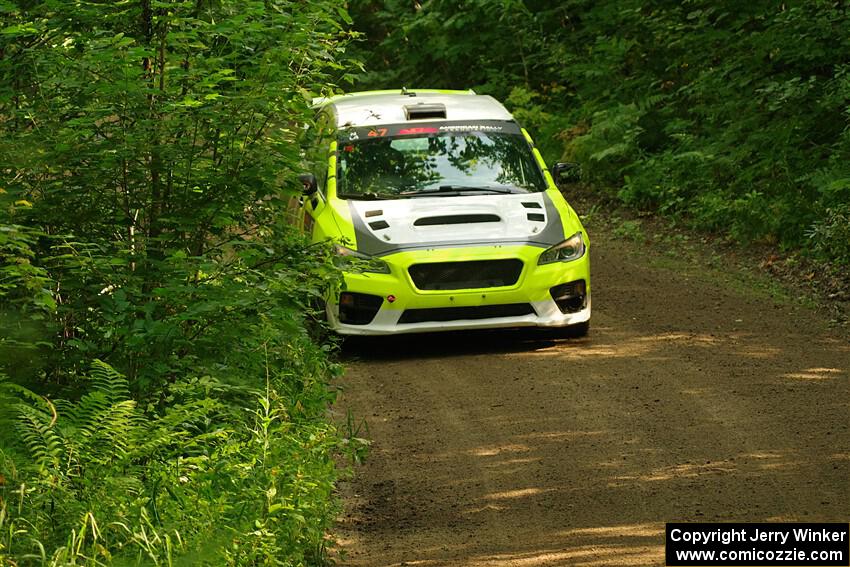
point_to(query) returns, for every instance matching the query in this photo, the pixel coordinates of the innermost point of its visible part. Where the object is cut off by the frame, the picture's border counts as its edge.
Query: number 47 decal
(377, 133)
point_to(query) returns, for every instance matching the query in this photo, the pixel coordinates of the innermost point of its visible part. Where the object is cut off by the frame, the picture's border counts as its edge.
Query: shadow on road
(454, 343)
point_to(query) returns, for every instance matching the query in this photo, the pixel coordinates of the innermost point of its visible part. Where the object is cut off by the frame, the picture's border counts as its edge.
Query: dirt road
(692, 399)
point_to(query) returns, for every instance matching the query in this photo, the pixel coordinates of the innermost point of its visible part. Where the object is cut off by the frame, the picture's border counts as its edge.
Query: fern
(109, 382)
(112, 433)
(41, 439)
(11, 397)
(101, 427)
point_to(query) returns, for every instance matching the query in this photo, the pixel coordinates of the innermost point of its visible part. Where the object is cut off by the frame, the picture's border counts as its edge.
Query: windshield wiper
(450, 190)
(368, 196)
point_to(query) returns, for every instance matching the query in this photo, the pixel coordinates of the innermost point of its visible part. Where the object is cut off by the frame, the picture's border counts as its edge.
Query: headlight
(350, 260)
(570, 249)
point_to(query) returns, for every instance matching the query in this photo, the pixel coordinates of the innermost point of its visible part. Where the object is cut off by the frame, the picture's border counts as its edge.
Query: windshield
(434, 163)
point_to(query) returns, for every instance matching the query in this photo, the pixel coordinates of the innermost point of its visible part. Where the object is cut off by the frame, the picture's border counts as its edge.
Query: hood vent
(536, 217)
(531, 205)
(423, 111)
(379, 224)
(456, 219)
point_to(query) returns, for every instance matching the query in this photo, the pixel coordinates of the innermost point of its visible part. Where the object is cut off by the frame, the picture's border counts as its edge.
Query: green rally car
(443, 216)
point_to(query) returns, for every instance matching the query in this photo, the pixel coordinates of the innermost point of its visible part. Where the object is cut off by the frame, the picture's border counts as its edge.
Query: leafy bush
(830, 236)
(610, 145)
(26, 299)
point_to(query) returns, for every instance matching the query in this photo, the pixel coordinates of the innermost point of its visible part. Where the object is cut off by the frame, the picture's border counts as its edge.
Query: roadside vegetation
(160, 400)
(730, 117)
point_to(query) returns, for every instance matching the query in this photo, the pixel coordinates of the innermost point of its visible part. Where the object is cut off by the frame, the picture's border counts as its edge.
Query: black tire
(577, 331)
(315, 321)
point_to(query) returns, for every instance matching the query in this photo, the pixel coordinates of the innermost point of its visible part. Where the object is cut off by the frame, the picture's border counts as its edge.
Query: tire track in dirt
(691, 400)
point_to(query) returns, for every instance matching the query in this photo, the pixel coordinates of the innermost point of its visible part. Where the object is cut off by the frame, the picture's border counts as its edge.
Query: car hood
(387, 227)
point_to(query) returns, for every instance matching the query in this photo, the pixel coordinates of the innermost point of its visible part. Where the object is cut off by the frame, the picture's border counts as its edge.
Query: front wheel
(315, 320)
(577, 331)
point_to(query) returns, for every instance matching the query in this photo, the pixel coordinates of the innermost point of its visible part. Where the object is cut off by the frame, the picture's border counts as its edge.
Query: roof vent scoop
(423, 111)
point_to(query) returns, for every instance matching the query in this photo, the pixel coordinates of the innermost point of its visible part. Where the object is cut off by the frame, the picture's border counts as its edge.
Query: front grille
(461, 313)
(466, 275)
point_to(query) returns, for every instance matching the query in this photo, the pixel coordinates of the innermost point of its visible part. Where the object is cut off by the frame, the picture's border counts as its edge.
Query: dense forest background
(161, 398)
(732, 116)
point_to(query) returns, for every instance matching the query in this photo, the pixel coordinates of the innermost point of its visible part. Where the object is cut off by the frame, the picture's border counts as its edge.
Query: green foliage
(148, 152)
(831, 234)
(611, 147)
(628, 230)
(23, 284)
(153, 146)
(731, 116)
(97, 480)
(26, 298)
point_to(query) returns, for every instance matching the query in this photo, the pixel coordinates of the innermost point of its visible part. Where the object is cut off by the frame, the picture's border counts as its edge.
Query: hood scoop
(455, 219)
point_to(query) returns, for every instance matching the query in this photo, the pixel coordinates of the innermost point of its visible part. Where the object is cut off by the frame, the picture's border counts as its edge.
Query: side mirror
(566, 172)
(309, 183)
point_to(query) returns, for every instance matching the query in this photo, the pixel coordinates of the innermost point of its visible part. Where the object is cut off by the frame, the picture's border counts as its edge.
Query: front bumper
(400, 307)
